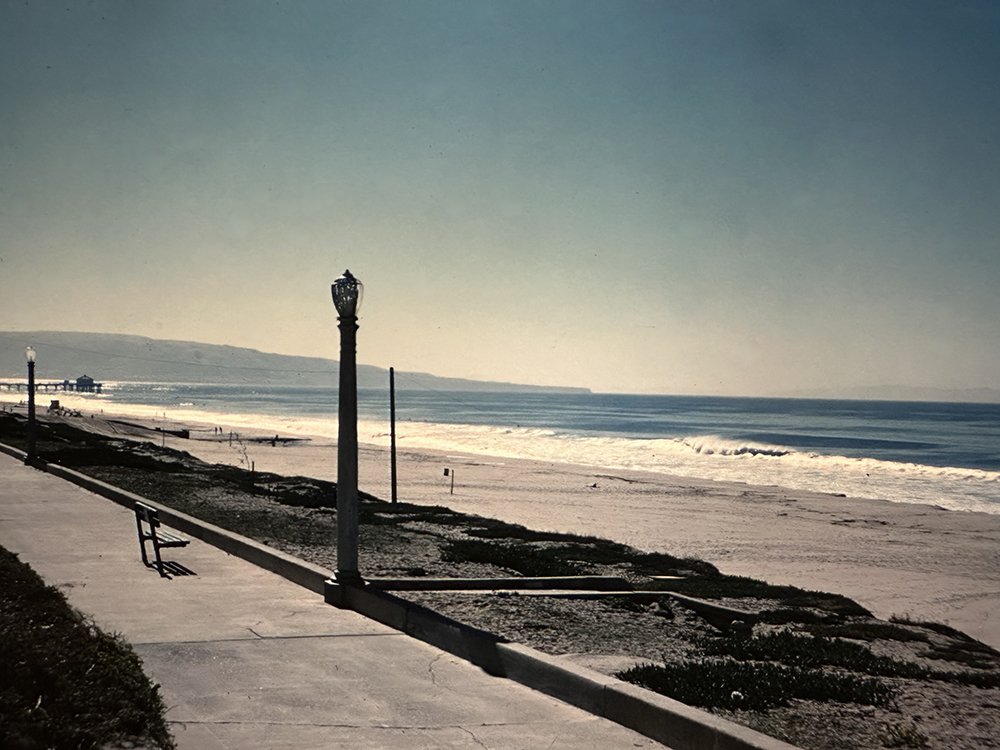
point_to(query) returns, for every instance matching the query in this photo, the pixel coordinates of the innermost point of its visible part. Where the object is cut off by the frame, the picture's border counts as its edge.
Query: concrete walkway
(247, 659)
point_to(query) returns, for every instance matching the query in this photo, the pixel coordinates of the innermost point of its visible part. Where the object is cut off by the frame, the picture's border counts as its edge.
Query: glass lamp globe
(347, 292)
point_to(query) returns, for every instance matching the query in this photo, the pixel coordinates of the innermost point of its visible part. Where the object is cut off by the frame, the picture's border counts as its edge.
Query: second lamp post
(29, 456)
(347, 292)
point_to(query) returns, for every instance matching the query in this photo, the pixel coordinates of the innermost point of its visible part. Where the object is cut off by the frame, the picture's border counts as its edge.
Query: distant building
(85, 383)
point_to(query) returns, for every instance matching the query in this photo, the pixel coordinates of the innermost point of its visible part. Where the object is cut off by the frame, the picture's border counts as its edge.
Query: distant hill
(111, 357)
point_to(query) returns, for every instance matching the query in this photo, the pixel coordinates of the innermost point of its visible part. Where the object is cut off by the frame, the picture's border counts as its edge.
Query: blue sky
(676, 197)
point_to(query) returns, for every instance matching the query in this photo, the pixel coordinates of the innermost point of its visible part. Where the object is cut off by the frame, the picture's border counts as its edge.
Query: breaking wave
(711, 446)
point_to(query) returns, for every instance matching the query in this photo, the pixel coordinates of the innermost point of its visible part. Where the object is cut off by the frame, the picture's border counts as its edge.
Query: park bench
(144, 514)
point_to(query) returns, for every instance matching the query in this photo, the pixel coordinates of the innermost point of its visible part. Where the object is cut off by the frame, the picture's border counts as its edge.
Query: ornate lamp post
(347, 292)
(29, 354)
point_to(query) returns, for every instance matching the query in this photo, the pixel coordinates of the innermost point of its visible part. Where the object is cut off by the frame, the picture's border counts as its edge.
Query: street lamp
(347, 292)
(29, 354)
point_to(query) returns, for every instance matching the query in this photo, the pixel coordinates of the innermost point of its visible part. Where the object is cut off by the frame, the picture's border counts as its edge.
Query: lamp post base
(348, 578)
(339, 592)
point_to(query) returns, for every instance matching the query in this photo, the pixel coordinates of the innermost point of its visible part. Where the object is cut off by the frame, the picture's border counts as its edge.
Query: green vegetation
(501, 530)
(64, 683)
(813, 652)
(939, 628)
(575, 556)
(904, 735)
(756, 686)
(96, 455)
(963, 652)
(960, 648)
(738, 587)
(789, 615)
(870, 630)
(403, 512)
(524, 559)
(768, 670)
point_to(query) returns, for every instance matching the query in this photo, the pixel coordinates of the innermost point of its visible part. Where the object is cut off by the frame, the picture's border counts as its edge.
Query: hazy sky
(677, 197)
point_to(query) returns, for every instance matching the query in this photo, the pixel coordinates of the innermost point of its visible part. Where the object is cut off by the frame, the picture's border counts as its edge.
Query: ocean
(944, 454)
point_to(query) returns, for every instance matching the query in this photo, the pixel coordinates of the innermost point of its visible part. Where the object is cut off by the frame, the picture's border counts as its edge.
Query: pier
(80, 385)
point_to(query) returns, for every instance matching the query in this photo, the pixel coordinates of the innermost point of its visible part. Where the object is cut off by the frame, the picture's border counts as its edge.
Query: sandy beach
(893, 558)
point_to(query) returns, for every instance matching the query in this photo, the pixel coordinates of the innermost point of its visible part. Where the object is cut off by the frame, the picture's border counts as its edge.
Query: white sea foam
(710, 457)
(701, 456)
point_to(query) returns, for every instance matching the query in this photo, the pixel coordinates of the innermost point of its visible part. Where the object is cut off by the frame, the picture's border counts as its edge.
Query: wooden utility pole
(392, 431)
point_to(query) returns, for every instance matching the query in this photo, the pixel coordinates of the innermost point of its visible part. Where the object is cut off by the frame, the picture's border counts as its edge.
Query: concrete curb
(674, 724)
(11, 451)
(660, 718)
(725, 619)
(464, 641)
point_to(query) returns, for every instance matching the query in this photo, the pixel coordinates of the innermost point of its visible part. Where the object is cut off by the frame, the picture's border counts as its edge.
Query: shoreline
(893, 558)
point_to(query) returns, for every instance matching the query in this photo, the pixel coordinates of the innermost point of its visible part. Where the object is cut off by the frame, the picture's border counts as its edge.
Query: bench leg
(142, 543)
(159, 561)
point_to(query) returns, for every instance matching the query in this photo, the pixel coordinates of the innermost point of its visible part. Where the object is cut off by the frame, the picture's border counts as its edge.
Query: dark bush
(64, 683)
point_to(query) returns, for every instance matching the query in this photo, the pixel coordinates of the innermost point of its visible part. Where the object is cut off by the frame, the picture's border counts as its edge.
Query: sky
(737, 198)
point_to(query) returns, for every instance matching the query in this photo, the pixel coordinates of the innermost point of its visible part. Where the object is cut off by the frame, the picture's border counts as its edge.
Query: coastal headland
(879, 550)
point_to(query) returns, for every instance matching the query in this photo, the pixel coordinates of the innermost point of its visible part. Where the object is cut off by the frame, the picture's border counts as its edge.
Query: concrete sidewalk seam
(190, 642)
(256, 637)
(391, 727)
(317, 635)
